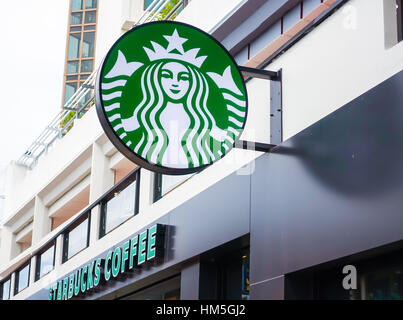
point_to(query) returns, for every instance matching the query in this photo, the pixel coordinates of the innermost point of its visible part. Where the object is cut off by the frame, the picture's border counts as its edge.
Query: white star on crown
(175, 42)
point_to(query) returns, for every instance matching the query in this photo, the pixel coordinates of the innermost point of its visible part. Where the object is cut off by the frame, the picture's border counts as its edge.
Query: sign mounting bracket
(276, 109)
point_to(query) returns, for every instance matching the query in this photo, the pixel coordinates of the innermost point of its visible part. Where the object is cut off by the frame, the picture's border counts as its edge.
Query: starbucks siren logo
(173, 96)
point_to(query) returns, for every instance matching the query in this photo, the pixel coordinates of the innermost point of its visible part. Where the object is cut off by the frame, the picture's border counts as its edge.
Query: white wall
(341, 59)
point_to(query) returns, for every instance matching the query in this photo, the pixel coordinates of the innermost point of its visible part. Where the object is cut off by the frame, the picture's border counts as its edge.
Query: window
(90, 4)
(70, 89)
(81, 44)
(74, 45)
(224, 273)
(165, 290)
(22, 278)
(147, 3)
(379, 276)
(76, 18)
(45, 262)
(5, 290)
(72, 67)
(76, 5)
(121, 206)
(88, 45)
(166, 183)
(90, 17)
(77, 238)
(399, 8)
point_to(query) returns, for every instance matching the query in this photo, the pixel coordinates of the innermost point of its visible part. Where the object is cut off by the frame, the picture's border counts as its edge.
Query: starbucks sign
(171, 98)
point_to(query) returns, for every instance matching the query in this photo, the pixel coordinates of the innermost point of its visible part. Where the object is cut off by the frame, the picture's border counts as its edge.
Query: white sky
(32, 52)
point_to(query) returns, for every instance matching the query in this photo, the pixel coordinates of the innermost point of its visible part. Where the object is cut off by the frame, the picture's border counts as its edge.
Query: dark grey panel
(268, 290)
(334, 189)
(190, 275)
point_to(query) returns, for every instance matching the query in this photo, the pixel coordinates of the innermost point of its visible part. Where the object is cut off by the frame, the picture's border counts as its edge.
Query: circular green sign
(171, 98)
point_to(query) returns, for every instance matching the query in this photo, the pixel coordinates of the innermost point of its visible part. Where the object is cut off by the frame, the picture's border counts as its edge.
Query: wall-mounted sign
(141, 249)
(171, 98)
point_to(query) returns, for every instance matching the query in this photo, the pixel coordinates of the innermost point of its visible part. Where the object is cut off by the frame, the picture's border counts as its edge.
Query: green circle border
(120, 145)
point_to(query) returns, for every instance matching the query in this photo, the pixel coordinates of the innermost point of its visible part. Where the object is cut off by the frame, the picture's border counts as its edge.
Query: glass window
(76, 5)
(74, 46)
(166, 183)
(90, 27)
(119, 208)
(5, 290)
(76, 18)
(45, 262)
(71, 88)
(22, 279)
(75, 240)
(90, 4)
(72, 67)
(88, 45)
(86, 65)
(90, 17)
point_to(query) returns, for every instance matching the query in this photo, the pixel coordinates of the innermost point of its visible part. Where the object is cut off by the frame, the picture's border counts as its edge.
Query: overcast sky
(32, 53)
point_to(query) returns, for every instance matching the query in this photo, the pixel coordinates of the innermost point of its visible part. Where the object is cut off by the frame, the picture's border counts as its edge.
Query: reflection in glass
(72, 67)
(90, 4)
(88, 45)
(90, 17)
(71, 88)
(120, 208)
(76, 18)
(46, 261)
(77, 239)
(90, 27)
(74, 46)
(77, 5)
(73, 29)
(86, 66)
(23, 278)
(170, 182)
(6, 290)
(69, 78)
(167, 290)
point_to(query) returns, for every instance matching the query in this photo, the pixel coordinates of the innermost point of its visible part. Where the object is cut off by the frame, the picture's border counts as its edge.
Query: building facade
(279, 219)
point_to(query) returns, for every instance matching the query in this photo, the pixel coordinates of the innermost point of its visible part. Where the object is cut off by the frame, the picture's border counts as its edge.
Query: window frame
(17, 277)
(84, 28)
(66, 233)
(38, 260)
(2, 288)
(123, 186)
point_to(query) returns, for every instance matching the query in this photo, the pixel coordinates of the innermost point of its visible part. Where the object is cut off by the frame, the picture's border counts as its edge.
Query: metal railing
(83, 98)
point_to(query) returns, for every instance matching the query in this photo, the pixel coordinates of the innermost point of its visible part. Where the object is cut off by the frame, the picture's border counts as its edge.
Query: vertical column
(32, 270)
(59, 251)
(12, 285)
(9, 248)
(42, 223)
(102, 178)
(190, 276)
